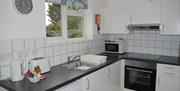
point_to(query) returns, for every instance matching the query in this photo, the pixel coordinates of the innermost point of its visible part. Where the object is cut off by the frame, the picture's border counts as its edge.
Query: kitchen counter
(61, 76)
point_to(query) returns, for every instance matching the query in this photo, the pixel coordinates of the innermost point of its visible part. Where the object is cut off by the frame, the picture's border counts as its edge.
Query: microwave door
(112, 47)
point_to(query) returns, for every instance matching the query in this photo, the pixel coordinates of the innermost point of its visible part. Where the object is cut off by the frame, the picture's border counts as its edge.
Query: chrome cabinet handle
(87, 84)
(22, 69)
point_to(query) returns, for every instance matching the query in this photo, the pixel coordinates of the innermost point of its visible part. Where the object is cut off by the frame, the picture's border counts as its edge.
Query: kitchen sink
(79, 65)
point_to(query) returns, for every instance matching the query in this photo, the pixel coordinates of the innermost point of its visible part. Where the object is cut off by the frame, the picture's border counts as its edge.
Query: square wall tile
(39, 42)
(5, 46)
(166, 44)
(29, 43)
(76, 48)
(63, 59)
(70, 47)
(175, 52)
(175, 45)
(166, 52)
(5, 72)
(63, 49)
(57, 60)
(51, 60)
(18, 45)
(56, 50)
(40, 52)
(49, 51)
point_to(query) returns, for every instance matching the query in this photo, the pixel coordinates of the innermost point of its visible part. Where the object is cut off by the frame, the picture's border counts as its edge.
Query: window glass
(53, 20)
(75, 26)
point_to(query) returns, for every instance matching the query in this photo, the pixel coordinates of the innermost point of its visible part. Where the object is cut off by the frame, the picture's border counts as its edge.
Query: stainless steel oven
(140, 75)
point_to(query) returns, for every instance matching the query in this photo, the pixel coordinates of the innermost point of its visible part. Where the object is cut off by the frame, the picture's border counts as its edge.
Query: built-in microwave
(115, 46)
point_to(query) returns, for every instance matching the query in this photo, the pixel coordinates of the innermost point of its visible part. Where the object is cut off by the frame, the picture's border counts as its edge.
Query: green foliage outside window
(54, 28)
(75, 26)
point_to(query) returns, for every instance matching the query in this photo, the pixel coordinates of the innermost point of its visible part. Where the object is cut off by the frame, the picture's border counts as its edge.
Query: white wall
(14, 25)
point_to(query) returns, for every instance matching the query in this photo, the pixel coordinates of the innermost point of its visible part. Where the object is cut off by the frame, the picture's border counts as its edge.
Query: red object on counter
(42, 77)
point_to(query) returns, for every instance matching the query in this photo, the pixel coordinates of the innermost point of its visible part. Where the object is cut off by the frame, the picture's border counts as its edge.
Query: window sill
(61, 40)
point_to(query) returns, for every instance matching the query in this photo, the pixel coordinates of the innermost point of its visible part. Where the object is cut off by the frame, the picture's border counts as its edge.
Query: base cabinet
(168, 78)
(106, 79)
(95, 81)
(114, 77)
(75, 86)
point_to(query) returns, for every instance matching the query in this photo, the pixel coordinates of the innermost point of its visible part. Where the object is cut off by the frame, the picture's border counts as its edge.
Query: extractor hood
(144, 26)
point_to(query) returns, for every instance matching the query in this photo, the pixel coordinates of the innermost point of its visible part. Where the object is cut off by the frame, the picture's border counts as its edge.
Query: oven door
(140, 79)
(111, 47)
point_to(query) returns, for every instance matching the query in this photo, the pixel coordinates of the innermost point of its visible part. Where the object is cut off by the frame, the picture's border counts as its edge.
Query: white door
(168, 83)
(170, 16)
(113, 77)
(95, 81)
(145, 11)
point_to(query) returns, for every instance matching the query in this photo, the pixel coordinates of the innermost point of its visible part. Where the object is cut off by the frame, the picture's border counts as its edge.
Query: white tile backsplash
(56, 53)
(150, 42)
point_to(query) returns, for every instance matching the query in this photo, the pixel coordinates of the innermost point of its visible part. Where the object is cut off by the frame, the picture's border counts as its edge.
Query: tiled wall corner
(150, 42)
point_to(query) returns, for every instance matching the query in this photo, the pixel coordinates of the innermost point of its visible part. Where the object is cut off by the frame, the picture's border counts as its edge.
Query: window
(53, 20)
(75, 26)
(71, 19)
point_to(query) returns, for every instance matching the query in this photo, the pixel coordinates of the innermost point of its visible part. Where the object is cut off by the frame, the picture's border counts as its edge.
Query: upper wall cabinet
(170, 17)
(116, 17)
(145, 11)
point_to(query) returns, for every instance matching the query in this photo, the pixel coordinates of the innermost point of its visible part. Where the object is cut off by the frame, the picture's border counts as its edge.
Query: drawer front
(168, 70)
(169, 73)
(171, 68)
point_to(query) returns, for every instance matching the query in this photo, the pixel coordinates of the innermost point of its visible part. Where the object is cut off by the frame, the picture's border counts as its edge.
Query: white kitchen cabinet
(145, 11)
(113, 77)
(75, 86)
(95, 81)
(106, 79)
(168, 78)
(116, 17)
(170, 17)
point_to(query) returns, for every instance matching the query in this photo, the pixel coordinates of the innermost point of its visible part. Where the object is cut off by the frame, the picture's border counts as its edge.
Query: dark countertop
(61, 76)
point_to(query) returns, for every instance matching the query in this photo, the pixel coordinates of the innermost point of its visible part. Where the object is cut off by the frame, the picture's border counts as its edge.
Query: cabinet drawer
(169, 68)
(169, 73)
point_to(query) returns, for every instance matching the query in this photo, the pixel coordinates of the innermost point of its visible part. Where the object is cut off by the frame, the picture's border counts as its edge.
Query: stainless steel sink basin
(79, 65)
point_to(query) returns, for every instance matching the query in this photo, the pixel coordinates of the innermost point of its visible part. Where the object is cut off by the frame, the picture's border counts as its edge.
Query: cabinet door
(168, 83)
(145, 11)
(116, 17)
(95, 81)
(115, 22)
(75, 86)
(113, 77)
(170, 16)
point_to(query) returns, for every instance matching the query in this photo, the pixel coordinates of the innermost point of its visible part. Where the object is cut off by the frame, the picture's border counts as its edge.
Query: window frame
(64, 14)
